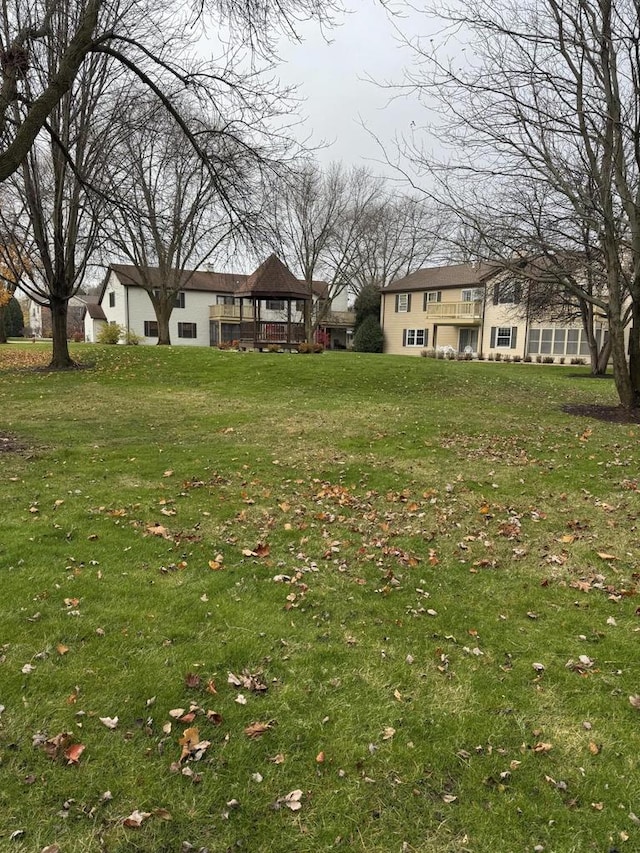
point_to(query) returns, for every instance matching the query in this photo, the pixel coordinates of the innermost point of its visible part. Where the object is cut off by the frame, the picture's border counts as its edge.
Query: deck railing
(455, 310)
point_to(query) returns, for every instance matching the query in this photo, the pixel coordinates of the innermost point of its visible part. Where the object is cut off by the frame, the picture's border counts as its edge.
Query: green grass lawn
(334, 602)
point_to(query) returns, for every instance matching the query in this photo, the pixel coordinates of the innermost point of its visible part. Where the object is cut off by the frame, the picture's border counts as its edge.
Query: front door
(468, 338)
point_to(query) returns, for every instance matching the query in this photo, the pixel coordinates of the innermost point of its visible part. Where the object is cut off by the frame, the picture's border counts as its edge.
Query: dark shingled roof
(217, 282)
(272, 273)
(459, 275)
(273, 280)
(95, 311)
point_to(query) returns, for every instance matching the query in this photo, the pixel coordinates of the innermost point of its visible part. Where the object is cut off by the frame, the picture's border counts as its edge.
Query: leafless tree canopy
(541, 103)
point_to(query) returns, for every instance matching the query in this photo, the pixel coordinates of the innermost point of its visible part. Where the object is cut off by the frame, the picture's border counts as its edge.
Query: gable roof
(456, 275)
(271, 274)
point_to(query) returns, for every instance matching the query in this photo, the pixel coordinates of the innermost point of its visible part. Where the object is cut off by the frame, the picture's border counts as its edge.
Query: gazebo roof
(273, 280)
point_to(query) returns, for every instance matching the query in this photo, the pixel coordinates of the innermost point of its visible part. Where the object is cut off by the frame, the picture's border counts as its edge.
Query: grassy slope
(441, 524)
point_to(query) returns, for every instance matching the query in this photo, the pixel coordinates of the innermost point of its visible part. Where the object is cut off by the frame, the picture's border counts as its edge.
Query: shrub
(517, 358)
(490, 357)
(506, 358)
(548, 359)
(528, 359)
(481, 356)
(77, 337)
(578, 361)
(368, 336)
(317, 347)
(110, 334)
(273, 348)
(304, 347)
(451, 354)
(561, 359)
(538, 359)
(498, 356)
(131, 338)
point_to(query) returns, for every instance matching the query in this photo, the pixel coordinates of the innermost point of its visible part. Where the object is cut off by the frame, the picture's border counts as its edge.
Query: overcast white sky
(331, 76)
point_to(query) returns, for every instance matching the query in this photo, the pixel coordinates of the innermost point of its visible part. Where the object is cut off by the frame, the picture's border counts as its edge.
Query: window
(573, 336)
(432, 296)
(415, 337)
(112, 299)
(472, 294)
(300, 305)
(507, 292)
(275, 304)
(187, 330)
(403, 303)
(151, 328)
(180, 299)
(545, 341)
(558, 341)
(504, 336)
(224, 300)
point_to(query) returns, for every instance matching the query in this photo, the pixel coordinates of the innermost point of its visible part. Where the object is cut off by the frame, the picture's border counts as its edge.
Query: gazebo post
(289, 321)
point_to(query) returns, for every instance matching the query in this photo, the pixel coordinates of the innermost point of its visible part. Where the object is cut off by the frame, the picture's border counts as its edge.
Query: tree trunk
(621, 374)
(162, 315)
(3, 332)
(634, 352)
(60, 359)
(603, 358)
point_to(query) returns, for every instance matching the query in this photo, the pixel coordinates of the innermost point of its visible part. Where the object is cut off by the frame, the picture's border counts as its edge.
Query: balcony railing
(228, 313)
(272, 333)
(455, 310)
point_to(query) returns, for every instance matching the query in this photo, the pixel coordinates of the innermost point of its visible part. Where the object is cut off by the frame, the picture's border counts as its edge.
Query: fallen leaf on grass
(135, 819)
(257, 729)
(73, 753)
(634, 701)
(605, 556)
(543, 747)
(291, 800)
(250, 681)
(158, 530)
(109, 722)
(62, 649)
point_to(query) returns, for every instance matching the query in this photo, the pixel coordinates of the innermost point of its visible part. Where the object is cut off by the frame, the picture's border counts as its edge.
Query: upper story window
(472, 294)
(403, 302)
(432, 296)
(275, 304)
(112, 299)
(180, 299)
(508, 292)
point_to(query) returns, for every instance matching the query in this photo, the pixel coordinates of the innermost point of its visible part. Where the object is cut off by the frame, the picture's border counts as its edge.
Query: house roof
(271, 274)
(429, 278)
(273, 280)
(95, 311)
(217, 282)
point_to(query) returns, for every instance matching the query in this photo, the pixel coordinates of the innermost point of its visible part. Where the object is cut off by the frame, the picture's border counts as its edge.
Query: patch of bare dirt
(610, 414)
(10, 444)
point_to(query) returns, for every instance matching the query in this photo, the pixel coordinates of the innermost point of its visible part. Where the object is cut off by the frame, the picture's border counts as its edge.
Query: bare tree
(147, 39)
(398, 234)
(544, 112)
(348, 229)
(169, 212)
(52, 218)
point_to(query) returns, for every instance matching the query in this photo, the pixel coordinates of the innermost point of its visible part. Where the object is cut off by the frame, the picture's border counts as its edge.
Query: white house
(214, 308)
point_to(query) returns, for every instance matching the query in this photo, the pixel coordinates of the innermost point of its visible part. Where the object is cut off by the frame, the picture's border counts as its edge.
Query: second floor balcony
(463, 312)
(228, 313)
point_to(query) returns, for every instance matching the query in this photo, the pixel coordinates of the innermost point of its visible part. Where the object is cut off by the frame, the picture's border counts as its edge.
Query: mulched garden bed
(610, 414)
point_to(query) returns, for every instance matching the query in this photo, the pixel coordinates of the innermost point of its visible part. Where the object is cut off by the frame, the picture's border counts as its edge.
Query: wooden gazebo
(271, 281)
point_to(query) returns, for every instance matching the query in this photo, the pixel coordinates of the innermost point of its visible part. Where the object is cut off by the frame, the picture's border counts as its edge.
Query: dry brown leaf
(257, 729)
(135, 819)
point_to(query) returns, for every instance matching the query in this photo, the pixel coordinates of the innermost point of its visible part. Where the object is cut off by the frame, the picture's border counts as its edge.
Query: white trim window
(415, 337)
(403, 303)
(504, 337)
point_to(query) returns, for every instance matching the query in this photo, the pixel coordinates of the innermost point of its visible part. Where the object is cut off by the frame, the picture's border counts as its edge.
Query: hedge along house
(474, 309)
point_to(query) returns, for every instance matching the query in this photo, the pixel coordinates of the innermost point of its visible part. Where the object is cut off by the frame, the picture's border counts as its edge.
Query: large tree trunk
(634, 352)
(60, 359)
(621, 374)
(603, 358)
(3, 334)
